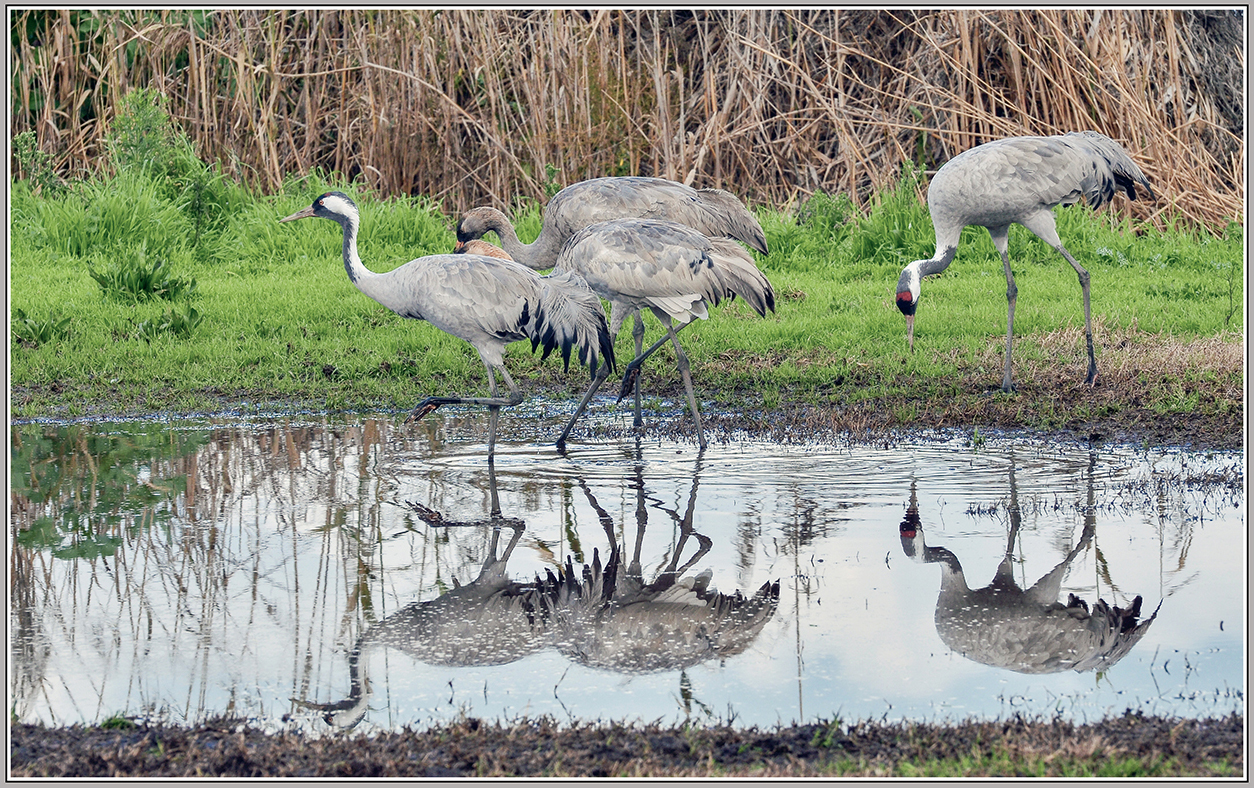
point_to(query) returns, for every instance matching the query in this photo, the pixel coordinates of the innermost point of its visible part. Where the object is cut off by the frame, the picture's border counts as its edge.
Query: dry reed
(474, 106)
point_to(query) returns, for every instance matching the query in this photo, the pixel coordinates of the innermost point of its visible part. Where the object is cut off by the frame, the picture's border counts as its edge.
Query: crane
(668, 268)
(1024, 630)
(713, 212)
(1019, 180)
(486, 301)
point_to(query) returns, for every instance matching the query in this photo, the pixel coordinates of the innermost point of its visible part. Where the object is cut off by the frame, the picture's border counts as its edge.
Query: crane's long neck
(367, 281)
(538, 255)
(938, 262)
(913, 274)
(953, 581)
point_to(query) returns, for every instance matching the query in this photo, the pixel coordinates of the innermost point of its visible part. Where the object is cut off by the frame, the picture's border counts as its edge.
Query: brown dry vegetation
(472, 106)
(1132, 745)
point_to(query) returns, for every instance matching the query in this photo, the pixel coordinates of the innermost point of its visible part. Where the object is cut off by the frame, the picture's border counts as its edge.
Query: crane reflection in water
(604, 616)
(610, 617)
(1025, 630)
(489, 621)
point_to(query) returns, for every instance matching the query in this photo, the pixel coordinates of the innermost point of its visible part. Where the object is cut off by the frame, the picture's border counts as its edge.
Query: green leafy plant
(831, 216)
(977, 440)
(34, 331)
(35, 164)
(551, 187)
(142, 135)
(117, 723)
(134, 278)
(178, 323)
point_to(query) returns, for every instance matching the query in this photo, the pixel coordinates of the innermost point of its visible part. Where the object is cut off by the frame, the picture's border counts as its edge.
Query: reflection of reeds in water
(182, 530)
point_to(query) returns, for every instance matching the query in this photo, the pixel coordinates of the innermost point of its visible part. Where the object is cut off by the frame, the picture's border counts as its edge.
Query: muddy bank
(1065, 415)
(473, 748)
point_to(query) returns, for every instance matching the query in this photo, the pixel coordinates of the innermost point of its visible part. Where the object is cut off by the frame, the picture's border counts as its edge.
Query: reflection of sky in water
(251, 591)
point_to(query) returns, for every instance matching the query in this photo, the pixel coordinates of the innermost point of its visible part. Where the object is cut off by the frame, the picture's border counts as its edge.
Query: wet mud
(542, 748)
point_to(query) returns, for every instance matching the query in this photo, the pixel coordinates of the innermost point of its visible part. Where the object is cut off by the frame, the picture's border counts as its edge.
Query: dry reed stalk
(472, 106)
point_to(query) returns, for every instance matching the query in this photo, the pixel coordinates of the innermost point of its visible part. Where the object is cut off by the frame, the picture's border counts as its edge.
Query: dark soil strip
(472, 748)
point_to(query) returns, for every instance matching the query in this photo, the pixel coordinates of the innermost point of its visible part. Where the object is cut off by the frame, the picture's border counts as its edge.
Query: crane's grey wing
(665, 265)
(489, 301)
(483, 300)
(1007, 180)
(1112, 168)
(728, 216)
(602, 199)
(713, 212)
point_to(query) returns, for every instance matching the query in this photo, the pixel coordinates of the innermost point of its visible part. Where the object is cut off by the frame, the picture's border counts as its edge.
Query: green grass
(274, 318)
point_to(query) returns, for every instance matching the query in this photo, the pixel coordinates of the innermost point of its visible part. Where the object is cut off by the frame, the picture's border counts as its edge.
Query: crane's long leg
(1043, 225)
(637, 333)
(494, 403)
(1001, 238)
(1080, 271)
(683, 371)
(631, 372)
(603, 372)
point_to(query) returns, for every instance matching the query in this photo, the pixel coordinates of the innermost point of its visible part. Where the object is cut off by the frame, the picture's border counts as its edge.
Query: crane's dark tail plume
(570, 316)
(1117, 173)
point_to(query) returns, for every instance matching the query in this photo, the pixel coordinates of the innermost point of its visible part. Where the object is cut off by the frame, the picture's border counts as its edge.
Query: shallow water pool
(334, 572)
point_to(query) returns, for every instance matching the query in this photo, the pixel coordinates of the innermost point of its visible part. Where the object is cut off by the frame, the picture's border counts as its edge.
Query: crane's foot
(429, 405)
(629, 382)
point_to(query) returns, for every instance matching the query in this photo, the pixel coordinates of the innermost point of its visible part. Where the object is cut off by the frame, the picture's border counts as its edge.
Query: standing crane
(486, 301)
(665, 267)
(713, 212)
(1019, 180)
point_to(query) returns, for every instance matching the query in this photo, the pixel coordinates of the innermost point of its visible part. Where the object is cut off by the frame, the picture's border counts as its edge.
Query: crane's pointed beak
(302, 214)
(910, 331)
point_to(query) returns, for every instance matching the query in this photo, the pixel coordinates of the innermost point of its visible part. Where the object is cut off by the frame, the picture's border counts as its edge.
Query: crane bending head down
(1019, 180)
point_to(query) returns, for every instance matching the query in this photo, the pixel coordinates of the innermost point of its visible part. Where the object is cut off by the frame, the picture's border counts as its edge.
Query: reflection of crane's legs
(492, 494)
(1045, 591)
